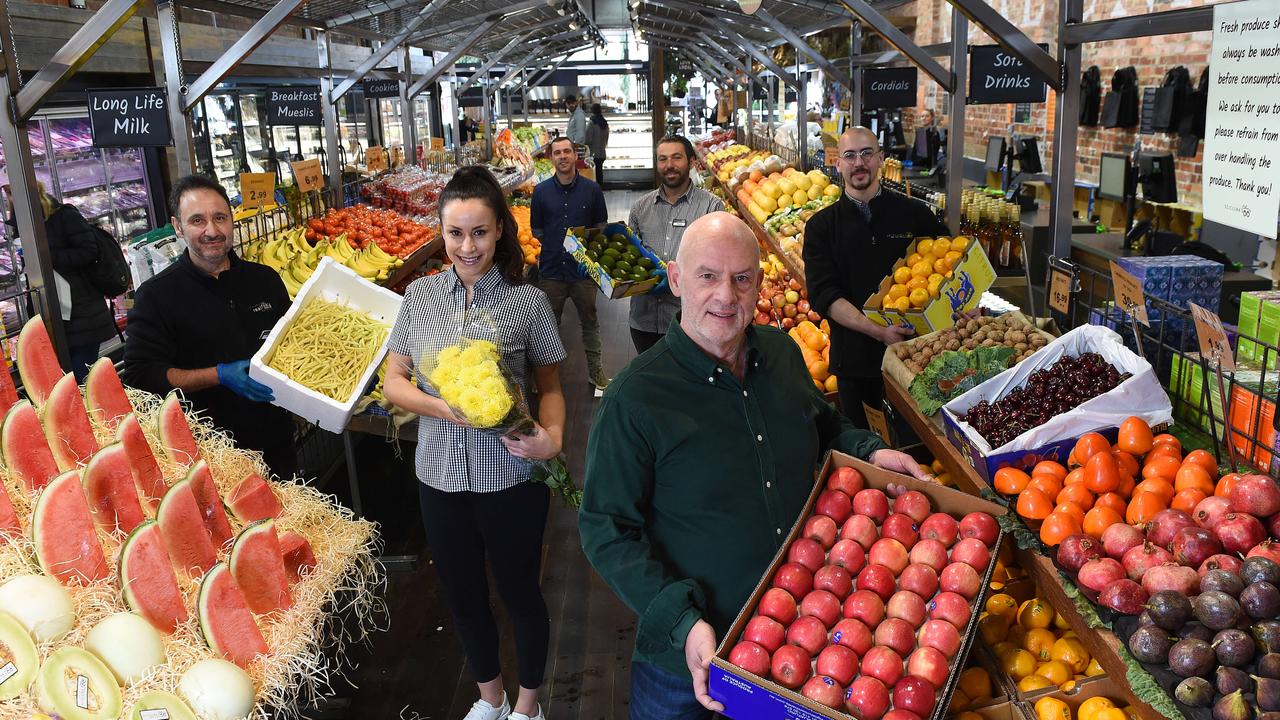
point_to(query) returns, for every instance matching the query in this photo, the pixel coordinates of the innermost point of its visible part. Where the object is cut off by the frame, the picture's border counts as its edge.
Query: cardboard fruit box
(576, 241)
(747, 696)
(958, 293)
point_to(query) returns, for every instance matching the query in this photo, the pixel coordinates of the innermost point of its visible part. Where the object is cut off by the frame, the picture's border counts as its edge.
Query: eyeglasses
(863, 154)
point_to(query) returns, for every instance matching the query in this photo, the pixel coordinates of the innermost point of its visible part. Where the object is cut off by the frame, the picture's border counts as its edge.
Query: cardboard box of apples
(867, 610)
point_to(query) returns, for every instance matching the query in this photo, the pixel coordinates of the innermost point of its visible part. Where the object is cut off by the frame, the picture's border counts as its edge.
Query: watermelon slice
(108, 485)
(142, 463)
(225, 620)
(105, 395)
(215, 517)
(66, 425)
(38, 364)
(25, 448)
(149, 583)
(253, 500)
(258, 567)
(298, 557)
(182, 528)
(65, 538)
(8, 518)
(175, 433)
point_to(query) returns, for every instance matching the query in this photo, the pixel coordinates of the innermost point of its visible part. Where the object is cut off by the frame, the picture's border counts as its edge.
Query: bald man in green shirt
(702, 455)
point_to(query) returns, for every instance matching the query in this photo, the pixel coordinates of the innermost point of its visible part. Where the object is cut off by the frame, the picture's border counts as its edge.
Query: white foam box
(334, 283)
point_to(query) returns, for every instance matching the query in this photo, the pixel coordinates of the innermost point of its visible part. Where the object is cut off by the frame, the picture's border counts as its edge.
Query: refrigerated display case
(389, 112)
(353, 127)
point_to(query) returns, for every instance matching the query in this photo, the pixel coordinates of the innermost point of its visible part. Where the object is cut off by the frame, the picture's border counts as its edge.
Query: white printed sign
(1242, 123)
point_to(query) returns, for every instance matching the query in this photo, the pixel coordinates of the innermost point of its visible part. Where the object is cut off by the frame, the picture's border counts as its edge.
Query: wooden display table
(929, 429)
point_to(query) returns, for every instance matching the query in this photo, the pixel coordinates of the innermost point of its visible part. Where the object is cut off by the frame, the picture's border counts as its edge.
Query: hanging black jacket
(1090, 96)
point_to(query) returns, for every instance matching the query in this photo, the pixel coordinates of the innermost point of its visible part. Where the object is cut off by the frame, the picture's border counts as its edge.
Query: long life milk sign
(129, 118)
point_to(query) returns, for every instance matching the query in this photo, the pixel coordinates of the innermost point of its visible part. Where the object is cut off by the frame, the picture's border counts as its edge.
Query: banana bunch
(299, 269)
(293, 257)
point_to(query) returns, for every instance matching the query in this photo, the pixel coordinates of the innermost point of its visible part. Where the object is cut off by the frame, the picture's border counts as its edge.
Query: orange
(1135, 436)
(1046, 484)
(1143, 507)
(1072, 509)
(1049, 467)
(1074, 477)
(1089, 445)
(1078, 494)
(1101, 473)
(1113, 501)
(1010, 480)
(1127, 462)
(1191, 475)
(1033, 504)
(1162, 466)
(1167, 439)
(1186, 500)
(1058, 527)
(1097, 520)
(1159, 486)
(1228, 481)
(1204, 459)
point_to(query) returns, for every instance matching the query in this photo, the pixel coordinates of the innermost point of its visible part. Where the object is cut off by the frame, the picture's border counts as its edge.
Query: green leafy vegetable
(953, 373)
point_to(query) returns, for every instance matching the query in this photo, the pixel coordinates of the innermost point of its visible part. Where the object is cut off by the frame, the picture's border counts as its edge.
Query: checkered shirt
(435, 315)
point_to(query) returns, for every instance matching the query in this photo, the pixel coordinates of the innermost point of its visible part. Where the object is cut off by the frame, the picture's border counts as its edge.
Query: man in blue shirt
(560, 202)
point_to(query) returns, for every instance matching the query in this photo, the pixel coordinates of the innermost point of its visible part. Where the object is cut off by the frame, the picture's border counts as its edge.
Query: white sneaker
(484, 711)
(522, 716)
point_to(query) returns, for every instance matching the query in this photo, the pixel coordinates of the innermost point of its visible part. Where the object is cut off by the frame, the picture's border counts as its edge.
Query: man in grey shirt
(577, 128)
(660, 218)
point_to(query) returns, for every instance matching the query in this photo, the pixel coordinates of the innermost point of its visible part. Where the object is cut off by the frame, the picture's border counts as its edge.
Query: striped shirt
(661, 225)
(452, 458)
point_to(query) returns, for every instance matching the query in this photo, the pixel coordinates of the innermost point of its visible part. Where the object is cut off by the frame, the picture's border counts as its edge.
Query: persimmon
(1135, 436)
(1097, 520)
(1071, 509)
(1089, 445)
(1127, 462)
(1143, 506)
(1165, 450)
(1191, 475)
(1127, 484)
(1101, 473)
(1204, 459)
(1186, 500)
(1225, 483)
(1074, 477)
(1161, 466)
(1046, 484)
(1159, 486)
(1112, 500)
(1049, 467)
(1078, 494)
(1010, 480)
(1033, 504)
(1167, 439)
(1058, 527)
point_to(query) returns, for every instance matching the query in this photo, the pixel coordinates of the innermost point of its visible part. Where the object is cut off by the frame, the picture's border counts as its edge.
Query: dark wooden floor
(417, 668)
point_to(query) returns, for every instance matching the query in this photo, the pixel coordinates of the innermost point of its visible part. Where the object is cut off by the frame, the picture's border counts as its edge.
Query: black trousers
(854, 391)
(645, 340)
(600, 171)
(464, 528)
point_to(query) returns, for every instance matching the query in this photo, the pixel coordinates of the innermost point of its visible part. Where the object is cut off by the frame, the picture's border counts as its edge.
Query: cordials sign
(995, 76)
(293, 106)
(129, 118)
(889, 88)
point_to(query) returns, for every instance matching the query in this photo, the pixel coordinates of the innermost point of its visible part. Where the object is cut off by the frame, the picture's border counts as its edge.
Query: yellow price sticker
(1213, 338)
(375, 158)
(437, 143)
(257, 190)
(308, 175)
(878, 422)
(1128, 294)
(1060, 290)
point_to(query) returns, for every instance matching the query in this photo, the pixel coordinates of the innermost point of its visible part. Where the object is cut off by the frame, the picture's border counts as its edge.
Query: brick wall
(1151, 57)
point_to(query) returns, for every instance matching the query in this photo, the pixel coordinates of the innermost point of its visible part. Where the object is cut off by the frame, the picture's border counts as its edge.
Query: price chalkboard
(1060, 290)
(437, 143)
(374, 89)
(829, 156)
(129, 118)
(308, 175)
(995, 76)
(375, 158)
(294, 106)
(257, 189)
(1128, 294)
(1214, 345)
(889, 88)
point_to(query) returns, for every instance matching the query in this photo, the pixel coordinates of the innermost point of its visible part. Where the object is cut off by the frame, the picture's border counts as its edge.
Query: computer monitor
(1159, 184)
(1028, 153)
(995, 154)
(1113, 177)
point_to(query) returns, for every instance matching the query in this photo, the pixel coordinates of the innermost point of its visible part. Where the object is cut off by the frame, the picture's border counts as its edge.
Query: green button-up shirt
(694, 480)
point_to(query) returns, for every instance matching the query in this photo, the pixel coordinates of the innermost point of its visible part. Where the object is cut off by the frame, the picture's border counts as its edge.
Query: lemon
(1018, 664)
(1035, 613)
(1091, 707)
(1055, 670)
(1072, 652)
(975, 683)
(1038, 641)
(1031, 683)
(902, 275)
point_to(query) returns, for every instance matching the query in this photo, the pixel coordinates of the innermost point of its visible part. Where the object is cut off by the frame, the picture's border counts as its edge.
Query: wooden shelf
(415, 260)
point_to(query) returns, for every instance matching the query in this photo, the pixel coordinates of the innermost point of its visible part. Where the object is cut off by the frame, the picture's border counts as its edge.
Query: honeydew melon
(218, 690)
(40, 605)
(74, 684)
(19, 661)
(127, 645)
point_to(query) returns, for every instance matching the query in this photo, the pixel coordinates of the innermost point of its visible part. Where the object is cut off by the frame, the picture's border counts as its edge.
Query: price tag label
(1060, 290)
(397, 156)
(1213, 339)
(257, 189)
(82, 692)
(1128, 294)
(8, 671)
(829, 156)
(375, 158)
(437, 143)
(878, 422)
(160, 714)
(308, 175)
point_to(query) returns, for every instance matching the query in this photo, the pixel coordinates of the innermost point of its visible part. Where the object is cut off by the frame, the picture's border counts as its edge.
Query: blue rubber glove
(661, 288)
(234, 376)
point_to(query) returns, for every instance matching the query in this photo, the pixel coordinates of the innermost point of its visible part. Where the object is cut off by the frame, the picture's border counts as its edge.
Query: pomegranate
(1257, 495)
(1078, 549)
(1229, 563)
(1099, 573)
(1273, 526)
(1239, 532)
(1193, 545)
(1165, 524)
(1268, 549)
(1210, 511)
(1171, 576)
(1124, 596)
(1142, 558)
(1120, 538)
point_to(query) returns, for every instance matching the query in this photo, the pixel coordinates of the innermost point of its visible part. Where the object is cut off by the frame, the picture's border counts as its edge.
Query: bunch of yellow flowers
(469, 379)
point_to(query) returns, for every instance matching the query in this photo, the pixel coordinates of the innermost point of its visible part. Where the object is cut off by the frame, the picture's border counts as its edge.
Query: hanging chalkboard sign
(996, 76)
(374, 89)
(294, 106)
(889, 88)
(129, 118)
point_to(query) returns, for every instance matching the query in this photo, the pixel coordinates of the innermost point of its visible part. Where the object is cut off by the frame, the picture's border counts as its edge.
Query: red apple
(896, 633)
(883, 664)
(808, 553)
(908, 606)
(750, 657)
(872, 503)
(914, 694)
(779, 605)
(960, 578)
(852, 634)
(941, 527)
(787, 323)
(952, 607)
(890, 553)
(848, 554)
(822, 530)
(899, 714)
(914, 504)
(847, 480)
(835, 505)
(837, 662)
(824, 691)
(930, 664)
(822, 605)
(942, 636)
(879, 580)
(980, 525)
(930, 552)
(901, 528)
(803, 307)
(867, 698)
(809, 633)
(866, 606)
(973, 553)
(919, 579)
(814, 317)
(794, 578)
(835, 580)
(790, 666)
(765, 632)
(861, 529)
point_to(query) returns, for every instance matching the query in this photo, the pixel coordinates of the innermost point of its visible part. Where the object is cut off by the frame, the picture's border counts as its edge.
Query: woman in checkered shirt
(476, 496)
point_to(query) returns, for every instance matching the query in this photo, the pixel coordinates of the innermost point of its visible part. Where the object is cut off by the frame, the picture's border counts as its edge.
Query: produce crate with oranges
(869, 605)
(529, 245)
(936, 280)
